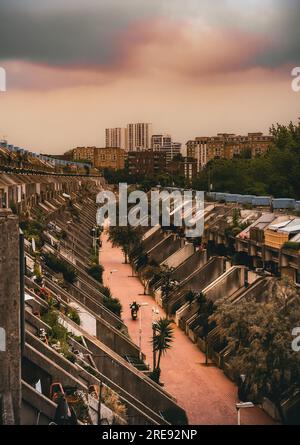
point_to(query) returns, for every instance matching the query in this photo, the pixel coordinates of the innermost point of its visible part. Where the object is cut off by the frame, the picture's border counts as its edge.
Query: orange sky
(186, 74)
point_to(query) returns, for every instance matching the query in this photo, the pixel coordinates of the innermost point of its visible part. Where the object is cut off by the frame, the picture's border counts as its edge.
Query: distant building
(84, 154)
(185, 167)
(107, 157)
(227, 145)
(139, 136)
(116, 138)
(146, 163)
(112, 157)
(163, 142)
(175, 149)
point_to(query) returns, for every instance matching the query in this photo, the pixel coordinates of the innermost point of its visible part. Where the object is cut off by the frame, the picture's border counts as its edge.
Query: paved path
(204, 392)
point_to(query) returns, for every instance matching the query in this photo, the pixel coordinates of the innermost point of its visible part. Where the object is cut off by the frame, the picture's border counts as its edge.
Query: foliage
(175, 416)
(189, 297)
(162, 338)
(260, 336)
(72, 313)
(168, 284)
(155, 375)
(127, 238)
(96, 271)
(81, 407)
(33, 229)
(60, 266)
(112, 401)
(291, 245)
(146, 275)
(276, 173)
(113, 304)
(58, 332)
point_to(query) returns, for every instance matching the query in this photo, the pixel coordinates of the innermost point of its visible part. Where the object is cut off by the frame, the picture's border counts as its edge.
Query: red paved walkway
(204, 392)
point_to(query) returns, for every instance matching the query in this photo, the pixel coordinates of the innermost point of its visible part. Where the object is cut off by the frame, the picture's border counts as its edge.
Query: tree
(146, 275)
(260, 337)
(205, 311)
(96, 272)
(275, 173)
(127, 238)
(162, 338)
(190, 297)
(168, 283)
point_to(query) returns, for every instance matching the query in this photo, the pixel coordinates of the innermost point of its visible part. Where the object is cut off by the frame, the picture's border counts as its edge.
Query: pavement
(205, 393)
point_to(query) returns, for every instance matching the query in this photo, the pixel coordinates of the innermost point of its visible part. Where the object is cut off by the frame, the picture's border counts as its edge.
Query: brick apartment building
(107, 157)
(185, 167)
(227, 145)
(146, 163)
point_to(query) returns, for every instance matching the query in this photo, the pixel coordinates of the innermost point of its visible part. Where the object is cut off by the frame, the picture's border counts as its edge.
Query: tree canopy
(276, 173)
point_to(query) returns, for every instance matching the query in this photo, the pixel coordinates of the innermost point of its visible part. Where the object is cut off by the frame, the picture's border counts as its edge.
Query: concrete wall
(156, 237)
(194, 262)
(165, 248)
(227, 284)
(10, 348)
(180, 256)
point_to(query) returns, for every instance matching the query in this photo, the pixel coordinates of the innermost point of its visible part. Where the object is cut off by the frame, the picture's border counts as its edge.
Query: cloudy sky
(191, 67)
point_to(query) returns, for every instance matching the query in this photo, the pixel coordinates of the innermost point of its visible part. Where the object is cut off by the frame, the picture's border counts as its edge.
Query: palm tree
(162, 338)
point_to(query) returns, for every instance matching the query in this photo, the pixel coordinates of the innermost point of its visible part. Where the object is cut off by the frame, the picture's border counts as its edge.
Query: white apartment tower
(116, 138)
(163, 142)
(139, 136)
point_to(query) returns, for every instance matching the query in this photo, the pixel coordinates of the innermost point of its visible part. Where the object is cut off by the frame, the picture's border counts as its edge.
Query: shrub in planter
(155, 375)
(113, 304)
(96, 271)
(61, 266)
(33, 229)
(175, 416)
(73, 315)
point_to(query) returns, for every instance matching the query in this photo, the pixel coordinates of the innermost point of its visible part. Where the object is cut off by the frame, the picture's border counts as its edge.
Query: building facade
(227, 145)
(185, 167)
(162, 142)
(84, 153)
(113, 157)
(116, 138)
(106, 157)
(146, 163)
(139, 136)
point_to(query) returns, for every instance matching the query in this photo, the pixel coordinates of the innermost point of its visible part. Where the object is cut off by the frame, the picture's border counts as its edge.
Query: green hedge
(61, 266)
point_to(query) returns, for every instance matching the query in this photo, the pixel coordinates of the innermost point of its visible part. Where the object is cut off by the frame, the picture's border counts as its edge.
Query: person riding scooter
(134, 309)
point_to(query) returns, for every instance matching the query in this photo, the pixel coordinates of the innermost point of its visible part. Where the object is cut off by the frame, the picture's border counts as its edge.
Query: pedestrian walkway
(206, 394)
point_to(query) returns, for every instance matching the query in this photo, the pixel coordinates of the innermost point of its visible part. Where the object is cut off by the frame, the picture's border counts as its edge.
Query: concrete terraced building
(95, 351)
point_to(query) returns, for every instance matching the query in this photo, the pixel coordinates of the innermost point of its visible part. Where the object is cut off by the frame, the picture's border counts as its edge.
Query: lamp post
(141, 305)
(242, 405)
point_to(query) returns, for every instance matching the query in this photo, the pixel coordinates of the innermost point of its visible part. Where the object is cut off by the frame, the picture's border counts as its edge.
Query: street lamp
(242, 405)
(141, 305)
(155, 312)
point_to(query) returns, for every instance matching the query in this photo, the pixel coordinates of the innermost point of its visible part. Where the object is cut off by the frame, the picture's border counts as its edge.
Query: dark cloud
(68, 32)
(284, 36)
(91, 32)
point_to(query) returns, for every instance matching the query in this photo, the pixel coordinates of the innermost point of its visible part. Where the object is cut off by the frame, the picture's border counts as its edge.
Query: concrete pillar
(10, 347)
